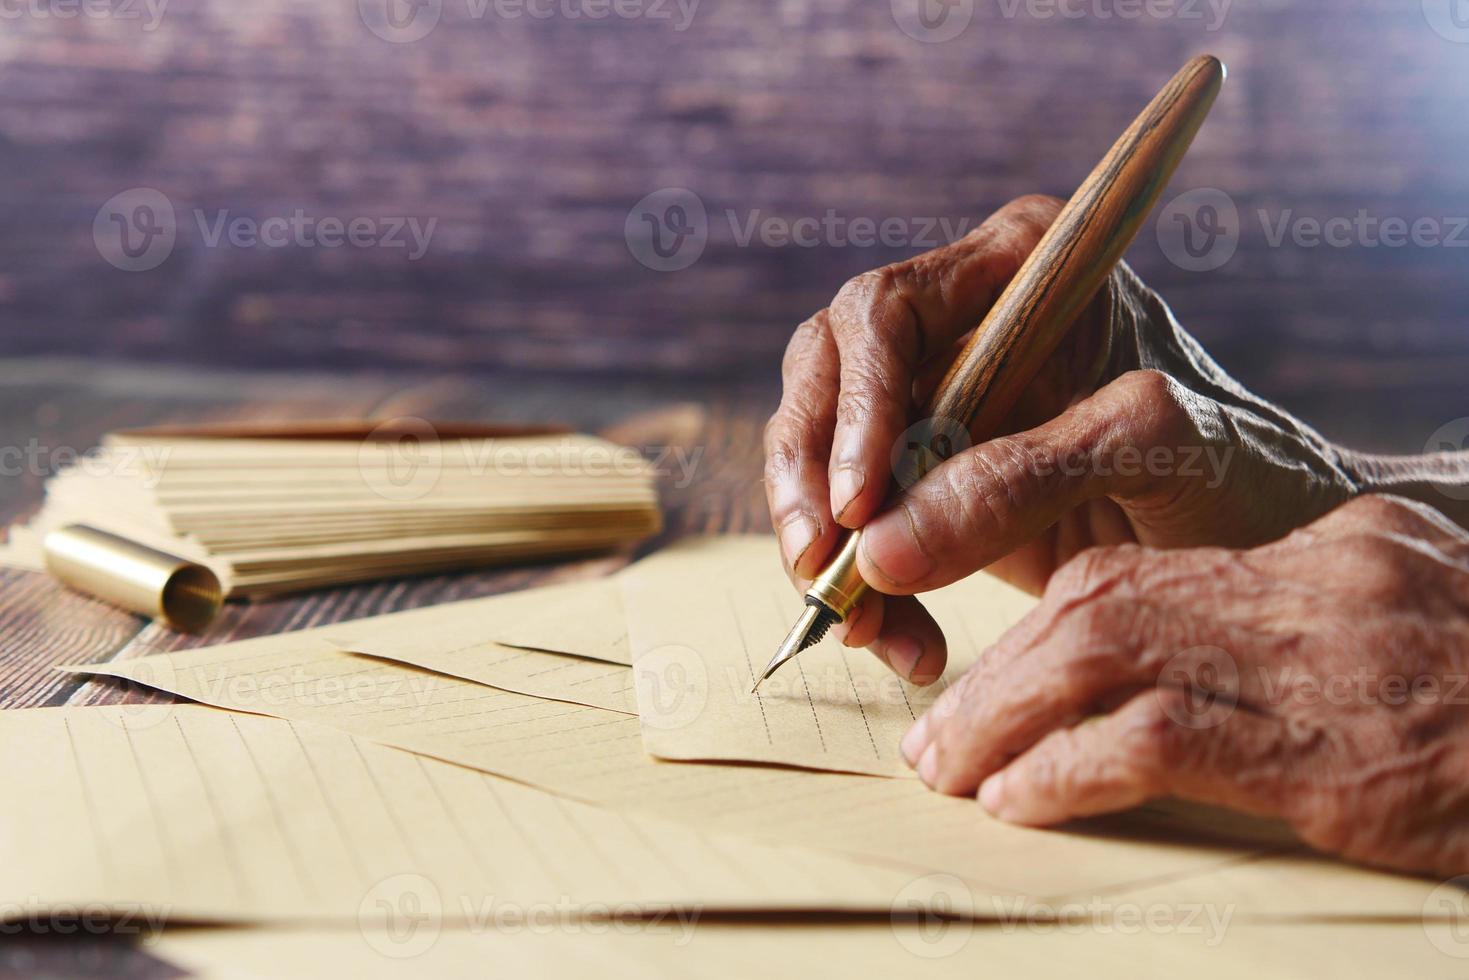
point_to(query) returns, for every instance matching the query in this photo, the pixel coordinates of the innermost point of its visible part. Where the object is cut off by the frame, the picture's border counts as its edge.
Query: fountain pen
(1031, 316)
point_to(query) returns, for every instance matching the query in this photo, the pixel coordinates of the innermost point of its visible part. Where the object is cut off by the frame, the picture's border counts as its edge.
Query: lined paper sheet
(209, 814)
(1180, 943)
(706, 615)
(547, 675)
(596, 755)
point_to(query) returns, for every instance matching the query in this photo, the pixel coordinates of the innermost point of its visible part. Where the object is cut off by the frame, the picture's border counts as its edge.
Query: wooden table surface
(49, 409)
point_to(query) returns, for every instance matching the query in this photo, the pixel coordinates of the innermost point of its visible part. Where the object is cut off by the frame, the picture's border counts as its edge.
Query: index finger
(888, 323)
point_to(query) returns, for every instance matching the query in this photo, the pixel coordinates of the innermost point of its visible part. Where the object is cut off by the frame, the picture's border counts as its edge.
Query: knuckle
(863, 397)
(1093, 573)
(1323, 823)
(782, 446)
(1152, 391)
(1038, 210)
(1150, 733)
(980, 490)
(857, 297)
(1391, 513)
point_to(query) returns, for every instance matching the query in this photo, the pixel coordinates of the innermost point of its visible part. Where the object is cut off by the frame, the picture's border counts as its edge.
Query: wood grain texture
(530, 141)
(1076, 254)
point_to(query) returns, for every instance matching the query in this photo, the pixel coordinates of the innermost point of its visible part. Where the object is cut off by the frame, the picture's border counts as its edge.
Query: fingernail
(914, 741)
(903, 654)
(846, 484)
(795, 537)
(992, 794)
(843, 631)
(891, 547)
(928, 764)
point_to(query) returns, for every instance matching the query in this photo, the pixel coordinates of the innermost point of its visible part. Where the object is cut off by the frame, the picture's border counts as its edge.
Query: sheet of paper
(547, 675)
(1213, 944)
(583, 619)
(706, 615)
(596, 755)
(198, 813)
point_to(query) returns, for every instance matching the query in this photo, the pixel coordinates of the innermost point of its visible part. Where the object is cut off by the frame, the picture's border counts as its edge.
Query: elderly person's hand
(1322, 679)
(1130, 434)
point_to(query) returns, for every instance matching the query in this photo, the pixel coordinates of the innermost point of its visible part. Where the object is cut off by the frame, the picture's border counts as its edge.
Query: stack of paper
(273, 511)
(594, 746)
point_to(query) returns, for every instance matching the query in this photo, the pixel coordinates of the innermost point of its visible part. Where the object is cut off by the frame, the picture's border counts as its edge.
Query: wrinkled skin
(1322, 679)
(1126, 487)
(1127, 379)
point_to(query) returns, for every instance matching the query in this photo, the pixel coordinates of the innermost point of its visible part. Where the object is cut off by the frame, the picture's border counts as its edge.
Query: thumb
(985, 502)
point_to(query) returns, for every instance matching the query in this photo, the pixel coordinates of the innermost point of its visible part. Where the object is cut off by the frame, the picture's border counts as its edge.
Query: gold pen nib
(815, 620)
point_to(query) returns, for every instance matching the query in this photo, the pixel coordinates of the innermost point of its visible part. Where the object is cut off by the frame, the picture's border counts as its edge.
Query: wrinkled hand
(1320, 679)
(1130, 433)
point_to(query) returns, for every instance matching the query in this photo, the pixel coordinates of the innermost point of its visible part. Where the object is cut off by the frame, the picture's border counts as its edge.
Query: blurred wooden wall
(529, 140)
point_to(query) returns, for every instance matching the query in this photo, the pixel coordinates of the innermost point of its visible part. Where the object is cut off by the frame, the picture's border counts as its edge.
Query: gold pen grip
(839, 586)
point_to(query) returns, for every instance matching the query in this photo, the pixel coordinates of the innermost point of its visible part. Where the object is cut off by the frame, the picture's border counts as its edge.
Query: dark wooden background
(529, 140)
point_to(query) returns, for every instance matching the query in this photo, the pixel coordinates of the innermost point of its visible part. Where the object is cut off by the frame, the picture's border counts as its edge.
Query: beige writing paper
(547, 675)
(706, 615)
(596, 755)
(182, 811)
(1125, 940)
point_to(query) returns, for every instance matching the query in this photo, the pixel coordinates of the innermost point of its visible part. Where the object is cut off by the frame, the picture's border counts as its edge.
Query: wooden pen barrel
(1073, 258)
